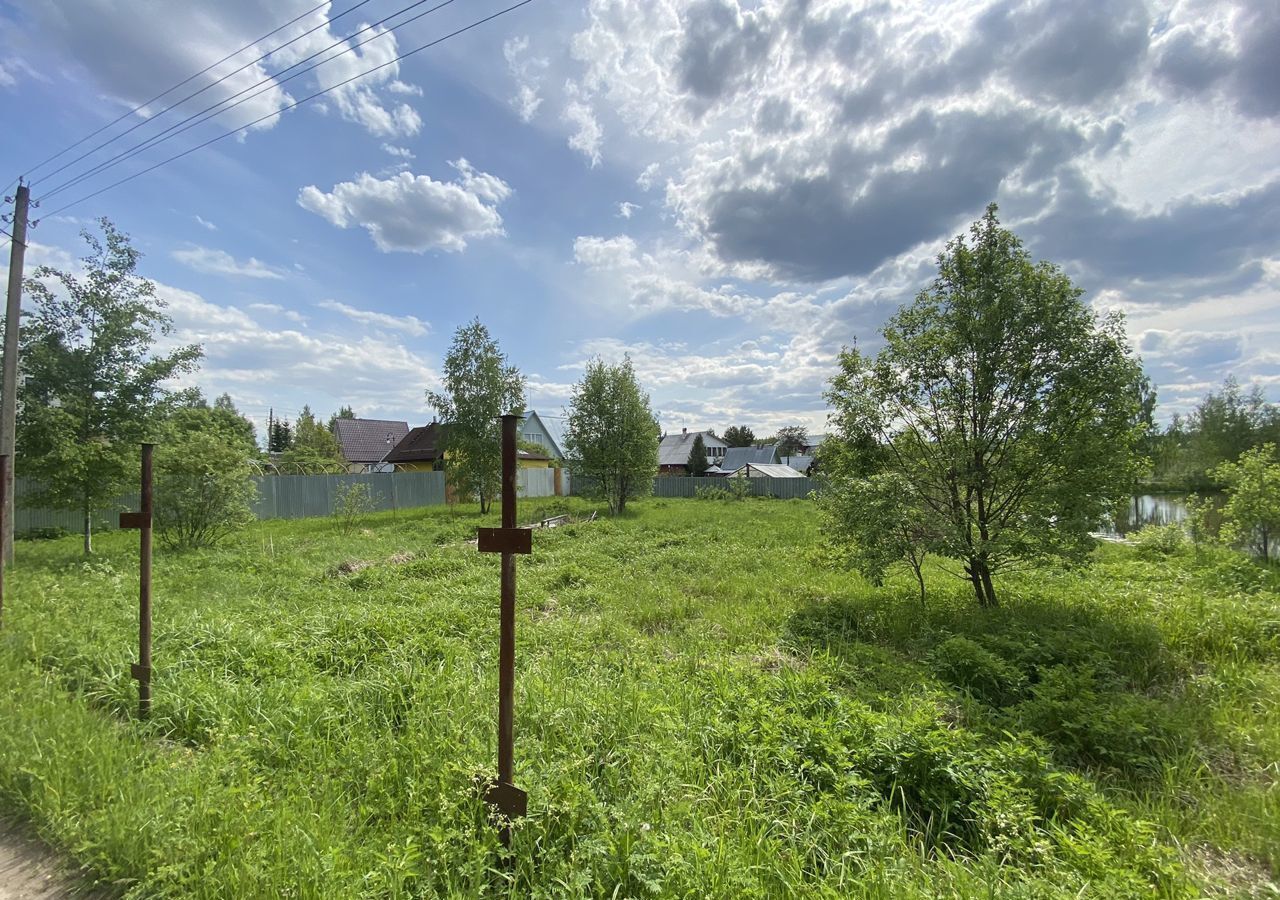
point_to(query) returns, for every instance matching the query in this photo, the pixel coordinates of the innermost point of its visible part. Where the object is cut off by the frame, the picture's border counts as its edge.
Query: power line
(296, 103)
(152, 141)
(187, 80)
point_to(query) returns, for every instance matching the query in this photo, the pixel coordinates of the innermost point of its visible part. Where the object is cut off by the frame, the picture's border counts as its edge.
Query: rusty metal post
(141, 520)
(4, 523)
(508, 540)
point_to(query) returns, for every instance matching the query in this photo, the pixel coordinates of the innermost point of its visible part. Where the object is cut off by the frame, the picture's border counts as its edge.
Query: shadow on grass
(1101, 688)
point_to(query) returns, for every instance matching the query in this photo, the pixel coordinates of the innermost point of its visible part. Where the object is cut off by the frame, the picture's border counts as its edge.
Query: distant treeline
(1226, 423)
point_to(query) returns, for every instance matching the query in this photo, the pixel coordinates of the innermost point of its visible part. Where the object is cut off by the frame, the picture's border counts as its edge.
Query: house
(422, 450)
(812, 443)
(802, 464)
(765, 470)
(546, 431)
(737, 457)
(365, 442)
(674, 449)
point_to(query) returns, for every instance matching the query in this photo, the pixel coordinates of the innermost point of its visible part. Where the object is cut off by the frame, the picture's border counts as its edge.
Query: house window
(533, 438)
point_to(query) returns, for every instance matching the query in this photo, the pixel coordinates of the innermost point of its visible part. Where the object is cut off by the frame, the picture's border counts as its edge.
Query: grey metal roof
(799, 463)
(737, 457)
(366, 440)
(675, 448)
(767, 470)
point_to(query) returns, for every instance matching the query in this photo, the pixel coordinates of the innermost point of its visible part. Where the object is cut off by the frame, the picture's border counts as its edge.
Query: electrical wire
(154, 140)
(186, 80)
(266, 84)
(297, 103)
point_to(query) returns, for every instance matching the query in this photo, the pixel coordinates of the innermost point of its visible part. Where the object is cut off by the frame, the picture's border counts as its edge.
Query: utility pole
(9, 398)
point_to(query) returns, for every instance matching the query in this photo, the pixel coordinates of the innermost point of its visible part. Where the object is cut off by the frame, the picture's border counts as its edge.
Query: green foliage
(1004, 401)
(739, 436)
(791, 440)
(698, 464)
(313, 446)
(202, 491)
(611, 435)
(1160, 540)
(479, 386)
(880, 522)
(92, 388)
(279, 436)
(344, 412)
(703, 710)
(1223, 426)
(351, 504)
(724, 489)
(1251, 515)
(222, 419)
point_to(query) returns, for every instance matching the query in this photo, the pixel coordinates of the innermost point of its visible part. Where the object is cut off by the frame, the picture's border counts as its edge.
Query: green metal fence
(781, 488)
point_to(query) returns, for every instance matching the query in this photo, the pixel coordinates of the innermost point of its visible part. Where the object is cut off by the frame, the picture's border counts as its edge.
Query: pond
(1161, 509)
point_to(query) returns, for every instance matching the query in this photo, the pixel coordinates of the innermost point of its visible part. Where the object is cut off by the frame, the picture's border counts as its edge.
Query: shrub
(974, 668)
(1160, 540)
(202, 490)
(351, 503)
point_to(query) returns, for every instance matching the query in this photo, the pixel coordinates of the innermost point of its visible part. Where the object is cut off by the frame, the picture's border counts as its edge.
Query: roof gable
(368, 440)
(737, 457)
(674, 449)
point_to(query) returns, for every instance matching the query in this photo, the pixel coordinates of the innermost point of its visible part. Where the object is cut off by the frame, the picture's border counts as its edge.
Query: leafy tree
(93, 388)
(791, 440)
(698, 464)
(203, 492)
(479, 386)
(611, 435)
(344, 412)
(883, 522)
(313, 443)
(739, 436)
(1007, 405)
(195, 414)
(1251, 514)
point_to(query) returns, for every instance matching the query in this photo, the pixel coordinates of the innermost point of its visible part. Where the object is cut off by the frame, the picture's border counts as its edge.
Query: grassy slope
(705, 707)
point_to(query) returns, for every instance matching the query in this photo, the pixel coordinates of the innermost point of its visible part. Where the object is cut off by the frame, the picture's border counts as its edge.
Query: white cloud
(275, 308)
(408, 324)
(587, 137)
(127, 51)
(7, 79)
(528, 72)
(398, 152)
(415, 213)
(206, 223)
(626, 209)
(219, 262)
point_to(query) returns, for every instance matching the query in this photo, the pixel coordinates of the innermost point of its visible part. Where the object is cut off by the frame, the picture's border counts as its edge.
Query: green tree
(313, 444)
(611, 434)
(479, 386)
(93, 389)
(881, 521)
(1251, 514)
(1007, 405)
(280, 437)
(739, 436)
(698, 464)
(195, 414)
(791, 440)
(203, 492)
(344, 412)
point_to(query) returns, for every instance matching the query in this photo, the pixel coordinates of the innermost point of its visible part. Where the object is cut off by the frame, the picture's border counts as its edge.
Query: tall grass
(706, 706)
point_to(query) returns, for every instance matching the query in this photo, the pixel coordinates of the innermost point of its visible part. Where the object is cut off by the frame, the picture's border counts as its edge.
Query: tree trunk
(920, 580)
(988, 587)
(983, 589)
(88, 531)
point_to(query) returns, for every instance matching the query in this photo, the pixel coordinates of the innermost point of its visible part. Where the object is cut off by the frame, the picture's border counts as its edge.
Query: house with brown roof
(366, 442)
(422, 450)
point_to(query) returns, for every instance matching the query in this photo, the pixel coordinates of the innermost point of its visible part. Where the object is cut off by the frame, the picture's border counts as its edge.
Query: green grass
(706, 706)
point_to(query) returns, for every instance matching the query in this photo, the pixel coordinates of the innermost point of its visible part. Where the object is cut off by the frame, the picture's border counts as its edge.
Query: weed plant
(706, 706)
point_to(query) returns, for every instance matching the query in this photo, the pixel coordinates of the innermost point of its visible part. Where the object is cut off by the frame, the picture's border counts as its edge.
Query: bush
(202, 490)
(1160, 540)
(974, 668)
(351, 503)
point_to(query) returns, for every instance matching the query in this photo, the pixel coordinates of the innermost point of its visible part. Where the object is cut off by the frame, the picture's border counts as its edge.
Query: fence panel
(782, 488)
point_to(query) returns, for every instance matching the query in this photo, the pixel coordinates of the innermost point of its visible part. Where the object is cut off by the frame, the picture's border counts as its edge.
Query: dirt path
(30, 870)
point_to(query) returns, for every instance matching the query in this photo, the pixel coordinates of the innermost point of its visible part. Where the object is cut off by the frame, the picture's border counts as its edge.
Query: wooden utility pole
(9, 390)
(502, 795)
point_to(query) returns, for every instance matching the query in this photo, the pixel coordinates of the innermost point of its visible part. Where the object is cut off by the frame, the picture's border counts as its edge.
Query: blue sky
(729, 191)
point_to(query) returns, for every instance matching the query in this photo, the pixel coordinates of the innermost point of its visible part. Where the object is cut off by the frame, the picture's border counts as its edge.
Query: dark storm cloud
(1191, 63)
(721, 45)
(1193, 239)
(1198, 352)
(862, 212)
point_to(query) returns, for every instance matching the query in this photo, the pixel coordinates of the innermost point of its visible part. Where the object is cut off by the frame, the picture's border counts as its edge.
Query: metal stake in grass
(142, 521)
(4, 511)
(504, 798)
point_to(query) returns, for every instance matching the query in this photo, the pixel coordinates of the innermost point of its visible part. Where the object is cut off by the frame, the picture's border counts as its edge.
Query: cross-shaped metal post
(141, 520)
(502, 795)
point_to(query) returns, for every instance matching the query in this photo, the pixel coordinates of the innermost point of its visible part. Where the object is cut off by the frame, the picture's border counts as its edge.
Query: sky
(728, 191)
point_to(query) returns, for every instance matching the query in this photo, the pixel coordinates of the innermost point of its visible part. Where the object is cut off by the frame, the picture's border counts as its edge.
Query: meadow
(708, 704)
